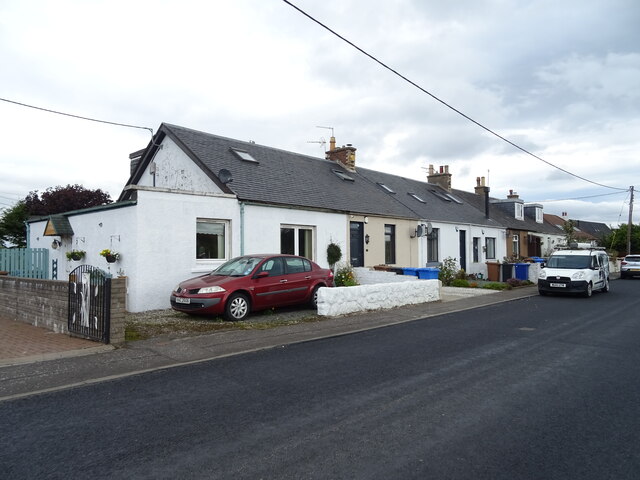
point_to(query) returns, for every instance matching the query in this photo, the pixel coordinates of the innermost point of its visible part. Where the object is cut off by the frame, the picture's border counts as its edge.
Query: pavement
(37, 361)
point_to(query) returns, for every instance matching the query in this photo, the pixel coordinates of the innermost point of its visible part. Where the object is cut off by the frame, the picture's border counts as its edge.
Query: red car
(250, 283)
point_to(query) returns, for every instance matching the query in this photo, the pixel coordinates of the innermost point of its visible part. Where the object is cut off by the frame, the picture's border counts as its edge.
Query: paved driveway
(23, 343)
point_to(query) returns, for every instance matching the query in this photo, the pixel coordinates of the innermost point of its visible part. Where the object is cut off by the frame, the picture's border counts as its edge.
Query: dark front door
(356, 244)
(463, 250)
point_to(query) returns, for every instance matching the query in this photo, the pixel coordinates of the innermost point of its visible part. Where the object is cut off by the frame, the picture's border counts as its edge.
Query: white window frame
(519, 211)
(296, 229)
(489, 254)
(539, 215)
(214, 261)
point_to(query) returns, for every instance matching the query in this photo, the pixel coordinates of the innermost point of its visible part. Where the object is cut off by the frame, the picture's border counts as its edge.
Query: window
(273, 266)
(297, 265)
(476, 249)
(490, 244)
(211, 239)
(389, 244)
(297, 240)
(432, 245)
(519, 211)
(343, 175)
(516, 245)
(385, 188)
(244, 155)
(539, 215)
(418, 198)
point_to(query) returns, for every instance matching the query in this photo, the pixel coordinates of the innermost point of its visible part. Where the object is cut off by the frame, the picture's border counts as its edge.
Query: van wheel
(605, 289)
(589, 291)
(237, 307)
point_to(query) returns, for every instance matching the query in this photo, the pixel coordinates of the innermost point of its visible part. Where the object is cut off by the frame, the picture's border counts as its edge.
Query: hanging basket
(111, 258)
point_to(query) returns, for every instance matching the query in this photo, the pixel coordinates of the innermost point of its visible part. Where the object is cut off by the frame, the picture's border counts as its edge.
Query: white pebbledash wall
(344, 300)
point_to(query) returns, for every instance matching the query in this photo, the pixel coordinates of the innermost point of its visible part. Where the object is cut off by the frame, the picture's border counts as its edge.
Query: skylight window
(244, 155)
(458, 201)
(342, 175)
(385, 188)
(441, 196)
(447, 197)
(417, 197)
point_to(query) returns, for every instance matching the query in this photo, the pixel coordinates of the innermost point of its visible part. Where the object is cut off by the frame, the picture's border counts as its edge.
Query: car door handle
(308, 277)
(284, 280)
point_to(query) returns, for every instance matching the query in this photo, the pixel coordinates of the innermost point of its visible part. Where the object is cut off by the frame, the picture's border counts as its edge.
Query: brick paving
(19, 340)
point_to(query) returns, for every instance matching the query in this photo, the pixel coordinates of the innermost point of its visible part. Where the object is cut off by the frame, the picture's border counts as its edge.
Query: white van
(575, 271)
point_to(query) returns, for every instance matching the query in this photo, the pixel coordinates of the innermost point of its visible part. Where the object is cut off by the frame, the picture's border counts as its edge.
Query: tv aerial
(322, 140)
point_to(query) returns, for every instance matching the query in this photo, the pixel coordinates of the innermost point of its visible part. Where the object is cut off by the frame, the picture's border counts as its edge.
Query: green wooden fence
(25, 262)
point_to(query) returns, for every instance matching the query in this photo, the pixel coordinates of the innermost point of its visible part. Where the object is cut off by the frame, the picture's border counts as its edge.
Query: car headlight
(542, 274)
(214, 289)
(177, 289)
(578, 276)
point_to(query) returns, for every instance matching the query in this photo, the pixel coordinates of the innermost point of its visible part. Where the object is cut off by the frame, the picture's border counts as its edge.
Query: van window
(569, 261)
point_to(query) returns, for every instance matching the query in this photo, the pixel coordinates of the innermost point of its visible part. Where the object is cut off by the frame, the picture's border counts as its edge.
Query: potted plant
(110, 255)
(75, 255)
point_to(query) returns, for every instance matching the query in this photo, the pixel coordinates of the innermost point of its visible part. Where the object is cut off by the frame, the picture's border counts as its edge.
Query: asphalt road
(538, 388)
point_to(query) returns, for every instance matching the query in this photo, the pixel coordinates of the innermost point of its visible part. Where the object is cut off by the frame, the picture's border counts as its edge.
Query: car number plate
(183, 300)
(557, 285)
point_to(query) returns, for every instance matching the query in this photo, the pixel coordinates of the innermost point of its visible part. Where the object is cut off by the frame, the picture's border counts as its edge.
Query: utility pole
(630, 224)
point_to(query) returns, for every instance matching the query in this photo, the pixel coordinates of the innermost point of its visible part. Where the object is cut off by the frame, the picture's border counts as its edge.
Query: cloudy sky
(559, 79)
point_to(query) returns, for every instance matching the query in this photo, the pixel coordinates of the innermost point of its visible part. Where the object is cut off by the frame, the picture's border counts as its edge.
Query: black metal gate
(89, 303)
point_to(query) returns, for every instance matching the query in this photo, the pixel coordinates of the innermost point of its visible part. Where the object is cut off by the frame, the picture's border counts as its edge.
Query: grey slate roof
(435, 207)
(504, 219)
(290, 179)
(596, 229)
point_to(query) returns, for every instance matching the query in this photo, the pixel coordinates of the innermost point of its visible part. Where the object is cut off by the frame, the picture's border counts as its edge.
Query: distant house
(526, 233)
(195, 200)
(585, 232)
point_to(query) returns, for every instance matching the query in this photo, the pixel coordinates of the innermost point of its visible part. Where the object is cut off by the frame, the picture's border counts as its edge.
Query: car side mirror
(261, 275)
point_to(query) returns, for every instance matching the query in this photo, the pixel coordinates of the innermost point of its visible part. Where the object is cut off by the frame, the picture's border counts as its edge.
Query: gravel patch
(153, 323)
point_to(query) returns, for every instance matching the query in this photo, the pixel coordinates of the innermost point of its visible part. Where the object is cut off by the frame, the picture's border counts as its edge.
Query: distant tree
(617, 240)
(64, 199)
(569, 228)
(13, 231)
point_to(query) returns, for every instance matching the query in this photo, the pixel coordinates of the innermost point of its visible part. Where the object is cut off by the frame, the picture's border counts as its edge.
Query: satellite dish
(429, 228)
(420, 230)
(225, 176)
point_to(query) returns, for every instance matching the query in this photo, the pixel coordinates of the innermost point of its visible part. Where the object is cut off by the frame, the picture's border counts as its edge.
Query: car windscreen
(632, 258)
(569, 261)
(238, 267)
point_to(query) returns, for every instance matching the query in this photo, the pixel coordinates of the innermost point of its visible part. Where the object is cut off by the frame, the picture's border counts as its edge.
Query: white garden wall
(344, 300)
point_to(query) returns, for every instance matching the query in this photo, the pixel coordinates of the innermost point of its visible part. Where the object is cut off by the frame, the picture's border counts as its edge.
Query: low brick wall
(45, 303)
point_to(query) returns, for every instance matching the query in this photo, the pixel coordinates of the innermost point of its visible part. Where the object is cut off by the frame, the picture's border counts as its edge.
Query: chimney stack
(345, 155)
(442, 178)
(513, 195)
(480, 185)
(135, 158)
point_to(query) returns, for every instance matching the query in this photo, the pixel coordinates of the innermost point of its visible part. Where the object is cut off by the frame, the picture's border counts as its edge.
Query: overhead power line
(581, 198)
(77, 116)
(487, 129)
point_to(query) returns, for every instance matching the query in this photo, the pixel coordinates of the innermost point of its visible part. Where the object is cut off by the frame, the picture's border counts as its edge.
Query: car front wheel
(237, 307)
(589, 291)
(605, 289)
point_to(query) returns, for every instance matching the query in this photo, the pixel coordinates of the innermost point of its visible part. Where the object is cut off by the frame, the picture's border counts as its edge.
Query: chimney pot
(442, 178)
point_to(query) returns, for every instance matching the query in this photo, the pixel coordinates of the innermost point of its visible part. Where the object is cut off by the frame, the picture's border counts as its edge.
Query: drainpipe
(241, 228)
(26, 224)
